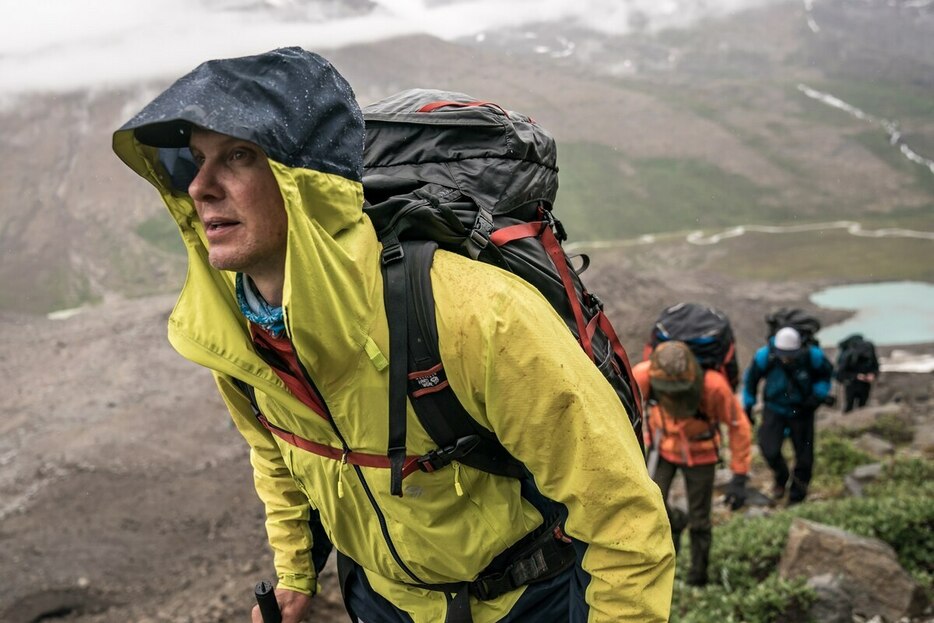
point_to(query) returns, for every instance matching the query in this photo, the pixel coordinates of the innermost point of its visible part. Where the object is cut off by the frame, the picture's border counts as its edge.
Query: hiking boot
(778, 492)
(796, 496)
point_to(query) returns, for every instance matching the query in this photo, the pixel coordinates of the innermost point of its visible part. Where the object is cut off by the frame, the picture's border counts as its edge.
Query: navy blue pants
(558, 600)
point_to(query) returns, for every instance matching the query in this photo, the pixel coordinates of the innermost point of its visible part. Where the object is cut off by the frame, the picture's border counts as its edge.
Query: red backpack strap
(542, 230)
(448, 103)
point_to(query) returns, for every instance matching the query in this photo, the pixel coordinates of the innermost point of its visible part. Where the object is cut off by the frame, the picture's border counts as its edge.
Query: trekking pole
(268, 606)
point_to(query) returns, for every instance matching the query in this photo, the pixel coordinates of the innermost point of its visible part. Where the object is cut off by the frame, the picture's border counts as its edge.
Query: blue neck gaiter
(256, 309)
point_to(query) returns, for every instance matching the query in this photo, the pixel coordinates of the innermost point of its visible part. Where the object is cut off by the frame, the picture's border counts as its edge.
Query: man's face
(238, 201)
(681, 405)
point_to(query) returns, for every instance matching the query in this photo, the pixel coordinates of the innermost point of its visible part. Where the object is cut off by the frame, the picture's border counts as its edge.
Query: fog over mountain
(61, 45)
(669, 116)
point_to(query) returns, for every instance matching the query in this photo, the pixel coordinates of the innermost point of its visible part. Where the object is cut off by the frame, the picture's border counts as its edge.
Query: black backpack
(806, 324)
(444, 170)
(705, 330)
(857, 356)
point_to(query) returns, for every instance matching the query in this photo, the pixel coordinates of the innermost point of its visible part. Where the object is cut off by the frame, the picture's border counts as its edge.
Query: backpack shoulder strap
(775, 360)
(459, 436)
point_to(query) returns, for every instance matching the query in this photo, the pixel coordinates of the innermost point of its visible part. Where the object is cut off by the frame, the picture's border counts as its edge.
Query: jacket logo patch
(429, 381)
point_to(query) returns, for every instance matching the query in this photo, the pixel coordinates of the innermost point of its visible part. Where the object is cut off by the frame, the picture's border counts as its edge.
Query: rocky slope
(125, 493)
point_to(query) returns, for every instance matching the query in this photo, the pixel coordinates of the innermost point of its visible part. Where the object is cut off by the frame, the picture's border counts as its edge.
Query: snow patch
(906, 361)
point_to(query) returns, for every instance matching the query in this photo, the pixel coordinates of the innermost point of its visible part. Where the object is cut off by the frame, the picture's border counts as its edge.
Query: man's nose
(205, 186)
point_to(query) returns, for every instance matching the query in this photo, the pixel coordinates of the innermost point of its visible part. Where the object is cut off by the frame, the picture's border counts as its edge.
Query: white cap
(787, 339)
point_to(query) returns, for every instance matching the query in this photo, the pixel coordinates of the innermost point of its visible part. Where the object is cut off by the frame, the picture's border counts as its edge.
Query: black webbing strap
(548, 555)
(394, 296)
(479, 236)
(441, 414)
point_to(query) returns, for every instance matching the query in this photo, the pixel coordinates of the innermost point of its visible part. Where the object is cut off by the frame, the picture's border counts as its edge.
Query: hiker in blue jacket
(797, 382)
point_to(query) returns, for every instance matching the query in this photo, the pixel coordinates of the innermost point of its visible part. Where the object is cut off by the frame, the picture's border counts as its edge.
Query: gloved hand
(736, 492)
(812, 402)
(749, 414)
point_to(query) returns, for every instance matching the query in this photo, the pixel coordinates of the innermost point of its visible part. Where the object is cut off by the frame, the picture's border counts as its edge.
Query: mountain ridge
(719, 136)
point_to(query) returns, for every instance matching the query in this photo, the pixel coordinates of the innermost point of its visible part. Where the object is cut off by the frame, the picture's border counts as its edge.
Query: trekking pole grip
(266, 599)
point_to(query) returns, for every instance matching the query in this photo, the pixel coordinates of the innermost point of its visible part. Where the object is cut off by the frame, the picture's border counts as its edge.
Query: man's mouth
(217, 225)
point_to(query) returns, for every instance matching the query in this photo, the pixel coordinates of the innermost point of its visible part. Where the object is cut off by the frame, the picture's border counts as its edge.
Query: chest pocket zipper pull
(340, 475)
(457, 479)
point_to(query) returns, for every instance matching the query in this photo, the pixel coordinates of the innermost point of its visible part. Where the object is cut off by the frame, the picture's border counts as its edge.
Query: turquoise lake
(889, 313)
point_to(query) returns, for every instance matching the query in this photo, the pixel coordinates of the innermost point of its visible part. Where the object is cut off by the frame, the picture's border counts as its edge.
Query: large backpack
(444, 170)
(705, 330)
(806, 324)
(857, 356)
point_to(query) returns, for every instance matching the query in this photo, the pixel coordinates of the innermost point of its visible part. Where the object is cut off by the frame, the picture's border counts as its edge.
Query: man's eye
(240, 154)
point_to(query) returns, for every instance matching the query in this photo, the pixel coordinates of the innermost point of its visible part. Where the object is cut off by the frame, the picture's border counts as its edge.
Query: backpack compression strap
(438, 409)
(415, 368)
(394, 290)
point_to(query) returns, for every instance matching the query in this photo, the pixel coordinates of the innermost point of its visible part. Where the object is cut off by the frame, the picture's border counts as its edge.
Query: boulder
(924, 441)
(873, 445)
(833, 600)
(860, 477)
(860, 419)
(868, 568)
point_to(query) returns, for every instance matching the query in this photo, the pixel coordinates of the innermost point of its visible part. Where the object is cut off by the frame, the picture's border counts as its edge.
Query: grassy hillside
(831, 254)
(604, 195)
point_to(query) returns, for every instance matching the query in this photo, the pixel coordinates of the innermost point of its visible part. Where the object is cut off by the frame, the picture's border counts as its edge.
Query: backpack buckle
(392, 253)
(436, 459)
(479, 236)
(479, 239)
(594, 302)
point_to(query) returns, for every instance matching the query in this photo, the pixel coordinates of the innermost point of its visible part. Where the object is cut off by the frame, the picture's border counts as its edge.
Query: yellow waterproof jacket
(510, 360)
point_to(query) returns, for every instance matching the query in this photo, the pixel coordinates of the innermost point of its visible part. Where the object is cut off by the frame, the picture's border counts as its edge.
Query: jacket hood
(302, 113)
(290, 102)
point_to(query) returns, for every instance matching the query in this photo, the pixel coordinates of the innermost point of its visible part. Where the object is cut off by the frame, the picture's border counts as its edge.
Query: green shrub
(911, 471)
(744, 587)
(893, 429)
(773, 600)
(746, 551)
(835, 457)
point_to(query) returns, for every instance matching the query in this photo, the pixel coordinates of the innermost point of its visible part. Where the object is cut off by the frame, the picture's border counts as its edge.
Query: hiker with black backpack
(686, 405)
(857, 369)
(537, 506)
(797, 378)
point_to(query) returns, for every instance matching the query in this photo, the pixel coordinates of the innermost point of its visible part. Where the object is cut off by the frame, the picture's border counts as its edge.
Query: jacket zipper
(379, 514)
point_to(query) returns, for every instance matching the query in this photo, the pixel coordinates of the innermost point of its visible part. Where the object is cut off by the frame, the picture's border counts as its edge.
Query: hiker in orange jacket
(685, 406)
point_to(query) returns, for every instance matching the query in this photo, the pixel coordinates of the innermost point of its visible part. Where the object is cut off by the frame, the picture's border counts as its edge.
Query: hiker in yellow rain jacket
(686, 406)
(259, 160)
